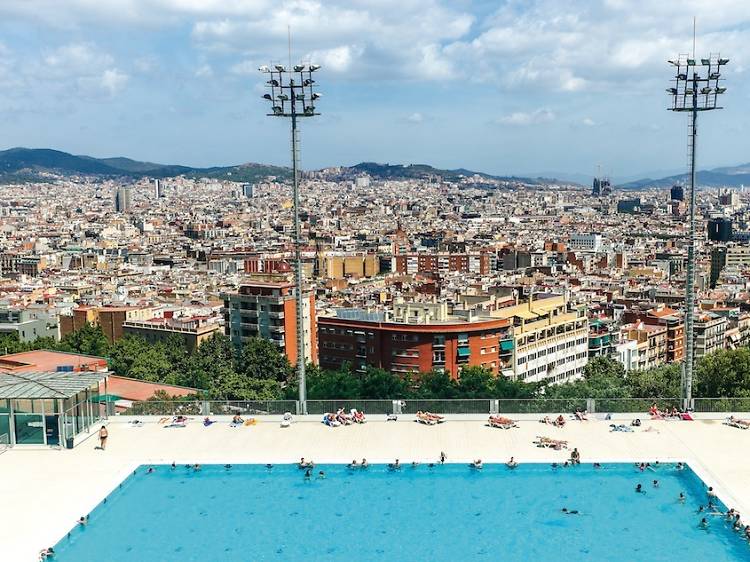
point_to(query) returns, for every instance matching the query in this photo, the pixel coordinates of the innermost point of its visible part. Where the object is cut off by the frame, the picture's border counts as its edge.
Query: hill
(29, 164)
(727, 176)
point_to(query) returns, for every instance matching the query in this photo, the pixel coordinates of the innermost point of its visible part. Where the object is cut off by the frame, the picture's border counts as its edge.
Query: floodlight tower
(696, 88)
(291, 95)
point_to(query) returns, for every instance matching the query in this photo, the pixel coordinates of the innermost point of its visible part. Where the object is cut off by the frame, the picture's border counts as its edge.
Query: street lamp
(291, 95)
(695, 88)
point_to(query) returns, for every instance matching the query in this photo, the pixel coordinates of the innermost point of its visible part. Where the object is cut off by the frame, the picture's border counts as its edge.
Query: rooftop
(47, 360)
(47, 385)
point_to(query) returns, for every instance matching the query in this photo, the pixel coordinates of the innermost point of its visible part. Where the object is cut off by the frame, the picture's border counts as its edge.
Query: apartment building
(709, 331)
(193, 331)
(650, 344)
(416, 338)
(340, 265)
(268, 309)
(550, 339)
(109, 318)
(441, 263)
(29, 323)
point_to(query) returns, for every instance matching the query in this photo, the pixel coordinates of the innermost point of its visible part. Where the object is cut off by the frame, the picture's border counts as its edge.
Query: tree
(724, 373)
(475, 382)
(381, 384)
(260, 359)
(331, 385)
(124, 352)
(88, 340)
(659, 382)
(436, 385)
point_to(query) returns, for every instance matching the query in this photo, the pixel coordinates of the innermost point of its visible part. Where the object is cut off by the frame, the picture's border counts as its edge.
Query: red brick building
(402, 348)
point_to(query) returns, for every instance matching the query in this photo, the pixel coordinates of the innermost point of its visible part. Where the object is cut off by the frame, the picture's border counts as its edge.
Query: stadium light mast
(291, 95)
(695, 88)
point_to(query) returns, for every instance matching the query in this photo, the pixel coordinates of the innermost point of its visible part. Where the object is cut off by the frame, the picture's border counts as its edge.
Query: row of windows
(334, 345)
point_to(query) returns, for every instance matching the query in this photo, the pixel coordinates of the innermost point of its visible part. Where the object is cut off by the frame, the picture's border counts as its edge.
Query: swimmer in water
(639, 489)
(150, 470)
(477, 464)
(308, 474)
(703, 524)
(567, 511)
(173, 465)
(321, 475)
(83, 520)
(227, 466)
(395, 465)
(681, 498)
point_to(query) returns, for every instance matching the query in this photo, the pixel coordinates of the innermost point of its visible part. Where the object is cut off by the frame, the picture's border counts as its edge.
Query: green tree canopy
(261, 359)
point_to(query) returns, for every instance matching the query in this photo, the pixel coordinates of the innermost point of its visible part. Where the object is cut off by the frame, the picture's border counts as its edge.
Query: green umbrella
(105, 398)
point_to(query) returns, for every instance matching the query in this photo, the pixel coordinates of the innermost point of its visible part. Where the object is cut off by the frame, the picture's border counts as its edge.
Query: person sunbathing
(501, 421)
(546, 420)
(357, 416)
(330, 420)
(655, 413)
(560, 421)
(425, 417)
(580, 416)
(556, 444)
(477, 464)
(511, 463)
(737, 422)
(236, 420)
(343, 418)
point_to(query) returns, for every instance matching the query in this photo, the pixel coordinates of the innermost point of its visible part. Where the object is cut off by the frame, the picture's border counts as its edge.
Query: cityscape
(212, 322)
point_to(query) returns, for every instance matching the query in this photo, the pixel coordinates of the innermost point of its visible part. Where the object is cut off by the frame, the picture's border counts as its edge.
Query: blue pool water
(448, 512)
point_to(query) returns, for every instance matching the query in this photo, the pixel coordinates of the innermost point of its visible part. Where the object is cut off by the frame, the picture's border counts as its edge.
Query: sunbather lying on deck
(502, 422)
(556, 444)
(737, 422)
(429, 418)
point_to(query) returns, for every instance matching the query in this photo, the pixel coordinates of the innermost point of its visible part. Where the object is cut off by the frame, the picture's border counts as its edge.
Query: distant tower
(247, 190)
(677, 193)
(158, 189)
(601, 187)
(123, 199)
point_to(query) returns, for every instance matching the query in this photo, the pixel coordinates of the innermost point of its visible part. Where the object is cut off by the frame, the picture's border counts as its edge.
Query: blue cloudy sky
(512, 86)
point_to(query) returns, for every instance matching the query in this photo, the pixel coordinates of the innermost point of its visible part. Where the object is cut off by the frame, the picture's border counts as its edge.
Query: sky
(504, 87)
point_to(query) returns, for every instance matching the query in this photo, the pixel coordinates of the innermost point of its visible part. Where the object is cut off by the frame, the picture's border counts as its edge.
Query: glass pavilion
(49, 408)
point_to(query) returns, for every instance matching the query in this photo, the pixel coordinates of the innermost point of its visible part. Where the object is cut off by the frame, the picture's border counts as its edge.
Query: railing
(721, 405)
(441, 406)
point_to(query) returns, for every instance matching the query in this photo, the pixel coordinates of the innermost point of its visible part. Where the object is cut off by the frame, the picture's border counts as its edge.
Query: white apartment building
(550, 339)
(582, 241)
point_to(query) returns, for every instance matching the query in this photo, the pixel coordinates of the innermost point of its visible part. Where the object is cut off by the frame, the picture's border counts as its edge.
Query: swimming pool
(448, 512)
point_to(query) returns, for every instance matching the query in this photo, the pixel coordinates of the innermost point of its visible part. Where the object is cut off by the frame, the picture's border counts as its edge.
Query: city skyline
(559, 87)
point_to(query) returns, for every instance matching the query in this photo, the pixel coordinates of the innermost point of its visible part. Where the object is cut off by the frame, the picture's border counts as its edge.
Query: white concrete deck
(44, 491)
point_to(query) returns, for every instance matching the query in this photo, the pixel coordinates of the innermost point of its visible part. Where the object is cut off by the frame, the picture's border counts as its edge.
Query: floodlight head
(682, 76)
(310, 110)
(706, 90)
(720, 90)
(691, 62)
(722, 62)
(267, 97)
(308, 82)
(264, 68)
(277, 110)
(672, 91)
(279, 68)
(300, 97)
(314, 67)
(273, 82)
(689, 91)
(299, 67)
(282, 97)
(706, 62)
(316, 96)
(673, 63)
(714, 75)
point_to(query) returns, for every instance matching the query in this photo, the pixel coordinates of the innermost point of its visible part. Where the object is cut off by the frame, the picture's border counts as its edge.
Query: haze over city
(505, 88)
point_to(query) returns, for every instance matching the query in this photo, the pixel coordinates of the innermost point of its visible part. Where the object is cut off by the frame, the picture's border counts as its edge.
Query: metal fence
(473, 406)
(721, 405)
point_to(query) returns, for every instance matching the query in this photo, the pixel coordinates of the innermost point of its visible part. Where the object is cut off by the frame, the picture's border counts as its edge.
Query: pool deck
(44, 491)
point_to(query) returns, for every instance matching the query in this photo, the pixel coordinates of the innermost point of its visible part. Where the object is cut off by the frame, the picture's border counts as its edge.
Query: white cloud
(338, 59)
(588, 121)
(521, 118)
(244, 68)
(204, 71)
(113, 80)
(415, 118)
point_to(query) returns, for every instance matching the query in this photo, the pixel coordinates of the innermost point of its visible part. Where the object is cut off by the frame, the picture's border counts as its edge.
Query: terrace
(70, 483)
